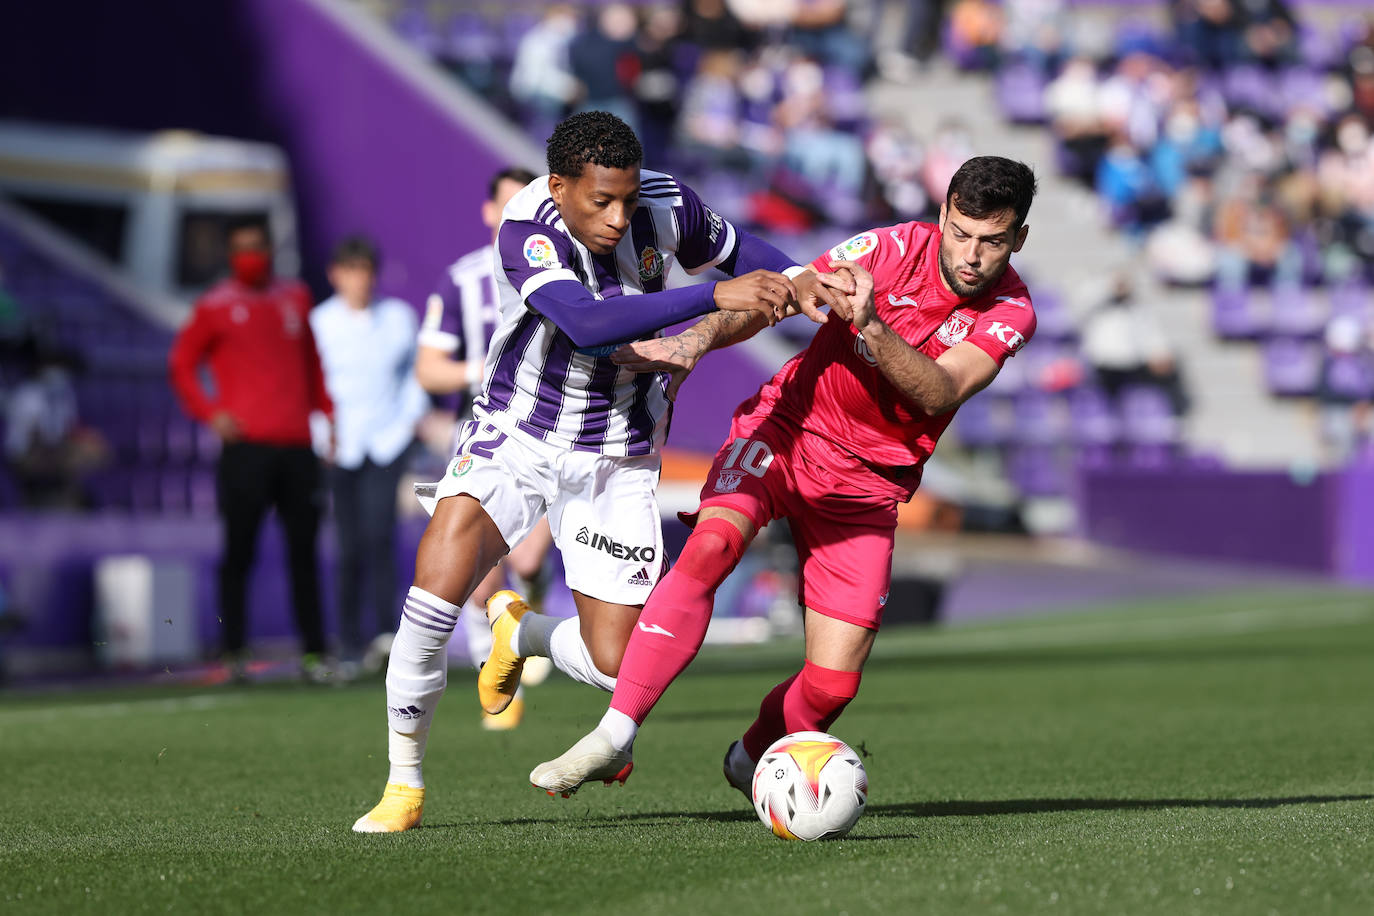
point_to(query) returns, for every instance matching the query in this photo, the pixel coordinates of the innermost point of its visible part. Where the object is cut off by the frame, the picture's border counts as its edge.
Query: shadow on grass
(1050, 805)
(600, 821)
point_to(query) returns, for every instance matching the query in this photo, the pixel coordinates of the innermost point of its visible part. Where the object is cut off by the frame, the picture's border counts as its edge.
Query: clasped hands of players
(848, 291)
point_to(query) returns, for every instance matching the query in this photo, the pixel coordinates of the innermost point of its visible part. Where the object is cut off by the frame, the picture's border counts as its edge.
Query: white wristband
(792, 271)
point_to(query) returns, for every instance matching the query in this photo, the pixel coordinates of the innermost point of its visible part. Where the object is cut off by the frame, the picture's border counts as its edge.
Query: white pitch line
(196, 703)
(1126, 629)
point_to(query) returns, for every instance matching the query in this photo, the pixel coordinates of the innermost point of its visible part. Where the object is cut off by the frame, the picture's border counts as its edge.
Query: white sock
(534, 635)
(620, 728)
(416, 675)
(405, 753)
(477, 631)
(569, 655)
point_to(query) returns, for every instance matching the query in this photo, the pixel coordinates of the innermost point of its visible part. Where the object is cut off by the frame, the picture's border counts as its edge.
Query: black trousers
(365, 525)
(252, 478)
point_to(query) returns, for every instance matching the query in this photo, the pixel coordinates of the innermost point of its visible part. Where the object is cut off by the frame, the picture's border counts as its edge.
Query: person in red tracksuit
(253, 332)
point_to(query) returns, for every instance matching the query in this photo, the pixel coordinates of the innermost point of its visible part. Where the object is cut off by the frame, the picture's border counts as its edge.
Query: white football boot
(593, 757)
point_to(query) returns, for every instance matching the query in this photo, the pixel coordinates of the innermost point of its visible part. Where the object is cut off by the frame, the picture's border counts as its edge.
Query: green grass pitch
(1211, 756)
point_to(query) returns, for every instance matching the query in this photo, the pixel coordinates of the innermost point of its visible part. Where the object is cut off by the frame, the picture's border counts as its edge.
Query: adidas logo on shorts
(406, 712)
(641, 577)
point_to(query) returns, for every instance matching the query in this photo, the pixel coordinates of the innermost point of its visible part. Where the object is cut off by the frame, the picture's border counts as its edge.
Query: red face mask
(251, 268)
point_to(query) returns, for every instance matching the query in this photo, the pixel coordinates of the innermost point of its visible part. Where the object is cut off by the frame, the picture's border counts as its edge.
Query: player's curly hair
(986, 185)
(595, 138)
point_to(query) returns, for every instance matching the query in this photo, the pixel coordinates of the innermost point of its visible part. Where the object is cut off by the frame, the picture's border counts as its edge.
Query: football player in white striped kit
(561, 430)
(460, 317)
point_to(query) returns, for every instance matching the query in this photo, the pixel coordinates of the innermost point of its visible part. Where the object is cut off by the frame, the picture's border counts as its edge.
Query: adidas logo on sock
(406, 712)
(641, 577)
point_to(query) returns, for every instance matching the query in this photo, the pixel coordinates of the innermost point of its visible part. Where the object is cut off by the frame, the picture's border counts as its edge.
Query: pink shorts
(769, 468)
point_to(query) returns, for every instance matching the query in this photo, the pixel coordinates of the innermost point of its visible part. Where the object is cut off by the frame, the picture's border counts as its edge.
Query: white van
(154, 204)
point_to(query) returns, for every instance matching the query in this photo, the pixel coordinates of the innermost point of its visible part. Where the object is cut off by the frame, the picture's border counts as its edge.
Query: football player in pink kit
(833, 443)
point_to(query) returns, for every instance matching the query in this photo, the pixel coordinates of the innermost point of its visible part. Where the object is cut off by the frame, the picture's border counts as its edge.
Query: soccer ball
(809, 786)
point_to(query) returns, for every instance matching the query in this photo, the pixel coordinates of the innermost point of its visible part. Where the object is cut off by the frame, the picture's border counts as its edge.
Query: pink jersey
(873, 436)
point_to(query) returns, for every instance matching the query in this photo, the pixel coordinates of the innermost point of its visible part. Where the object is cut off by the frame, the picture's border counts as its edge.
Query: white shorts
(602, 509)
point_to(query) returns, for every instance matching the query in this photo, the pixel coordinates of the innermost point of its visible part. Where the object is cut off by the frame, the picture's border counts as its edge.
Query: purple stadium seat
(1352, 298)
(1053, 321)
(145, 491)
(181, 440)
(1350, 376)
(414, 26)
(1297, 312)
(207, 444)
(1041, 418)
(1147, 417)
(1302, 87)
(1020, 92)
(173, 492)
(202, 492)
(1094, 421)
(1319, 48)
(1292, 366)
(1235, 315)
(1040, 470)
(1011, 379)
(984, 421)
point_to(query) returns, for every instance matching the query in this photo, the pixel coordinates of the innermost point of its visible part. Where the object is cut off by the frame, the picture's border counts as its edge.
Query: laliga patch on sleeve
(855, 248)
(539, 251)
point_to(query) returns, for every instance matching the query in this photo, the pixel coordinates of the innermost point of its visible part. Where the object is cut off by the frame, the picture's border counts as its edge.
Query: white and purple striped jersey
(461, 314)
(537, 380)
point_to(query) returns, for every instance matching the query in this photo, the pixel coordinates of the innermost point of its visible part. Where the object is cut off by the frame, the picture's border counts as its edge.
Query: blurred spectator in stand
(831, 161)
(253, 331)
(919, 41)
(709, 126)
(711, 25)
(1126, 184)
(1254, 239)
(1035, 33)
(1360, 72)
(1074, 107)
(975, 34)
(1345, 176)
(897, 158)
(603, 61)
(367, 348)
(45, 443)
(1269, 35)
(656, 86)
(1345, 389)
(1186, 146)
(541, 80)
(460, 317)
(950, 148)
(1125, 345)
(1180, 250)
(1210, 30)
(819, 30)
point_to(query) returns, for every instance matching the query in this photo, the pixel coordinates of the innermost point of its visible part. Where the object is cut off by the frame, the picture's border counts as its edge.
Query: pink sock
(768, 727)
(809, 701)
(673, 624)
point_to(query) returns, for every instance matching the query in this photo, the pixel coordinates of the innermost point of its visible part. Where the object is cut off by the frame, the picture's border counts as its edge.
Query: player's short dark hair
(355, 248)
(514, 173)
(247, 221)
(986, 185)
(592, 138)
